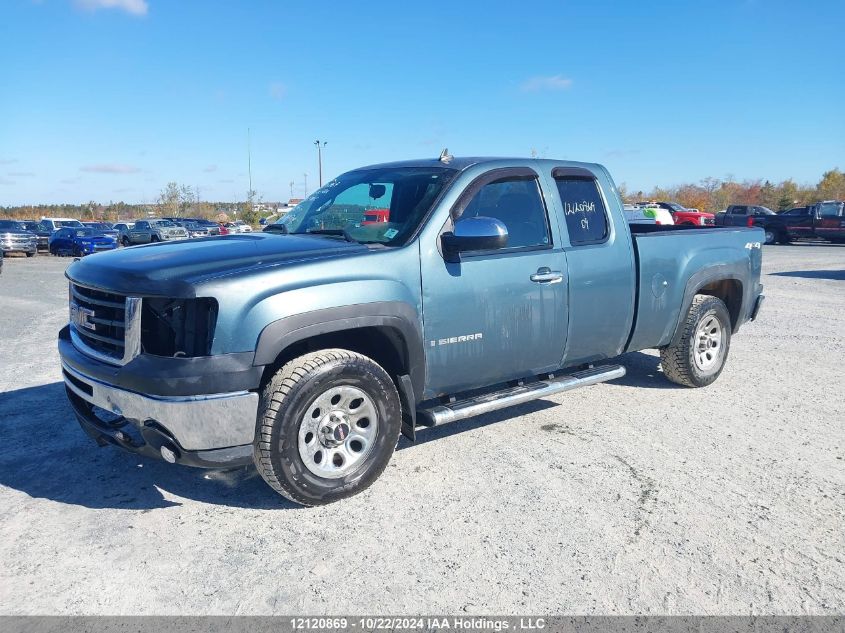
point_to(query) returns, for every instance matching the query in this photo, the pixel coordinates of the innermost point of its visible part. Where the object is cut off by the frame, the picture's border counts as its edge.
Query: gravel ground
(635, 496)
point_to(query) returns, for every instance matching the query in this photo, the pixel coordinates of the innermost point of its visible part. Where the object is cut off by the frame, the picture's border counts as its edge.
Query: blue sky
(111, 99)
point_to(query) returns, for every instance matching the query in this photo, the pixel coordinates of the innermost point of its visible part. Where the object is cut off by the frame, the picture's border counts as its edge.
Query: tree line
(713, 194)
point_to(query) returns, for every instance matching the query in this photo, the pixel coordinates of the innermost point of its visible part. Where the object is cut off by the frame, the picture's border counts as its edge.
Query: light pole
(305, 180)
(320, 145)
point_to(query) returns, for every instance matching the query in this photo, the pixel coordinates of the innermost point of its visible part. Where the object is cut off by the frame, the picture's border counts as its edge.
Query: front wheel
(699, 356)
(30, 254)
(125, 241)
(328, 424)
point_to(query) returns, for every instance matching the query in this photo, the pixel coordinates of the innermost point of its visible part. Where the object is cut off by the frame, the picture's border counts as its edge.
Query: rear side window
(583, 208)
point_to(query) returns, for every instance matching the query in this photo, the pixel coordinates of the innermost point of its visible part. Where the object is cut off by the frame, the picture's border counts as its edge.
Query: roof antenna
(445, 156)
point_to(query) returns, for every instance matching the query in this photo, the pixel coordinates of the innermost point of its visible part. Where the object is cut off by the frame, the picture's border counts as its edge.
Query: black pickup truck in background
(752, 215)
(825, 220)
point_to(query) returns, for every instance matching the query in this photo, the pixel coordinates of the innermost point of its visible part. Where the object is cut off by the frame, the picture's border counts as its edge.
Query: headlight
(181, 328)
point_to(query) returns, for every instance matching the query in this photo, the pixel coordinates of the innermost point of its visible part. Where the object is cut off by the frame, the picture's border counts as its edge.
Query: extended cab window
(516, 203)
(583, 208)
(830, 209)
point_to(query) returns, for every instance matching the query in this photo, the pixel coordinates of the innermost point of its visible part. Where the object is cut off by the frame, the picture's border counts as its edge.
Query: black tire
(771, 236)
(784, 238)
(125, 241)
(287, 399)
(154, 238)
(679, 359)
(30, 254)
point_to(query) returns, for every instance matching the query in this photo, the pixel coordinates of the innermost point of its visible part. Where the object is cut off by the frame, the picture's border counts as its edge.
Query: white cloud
(278, 90)
(110, 169)
(134, 7)
(550, 83)
(210, 169)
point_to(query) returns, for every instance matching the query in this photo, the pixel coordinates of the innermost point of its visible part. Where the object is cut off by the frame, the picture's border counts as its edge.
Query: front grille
(104, 314)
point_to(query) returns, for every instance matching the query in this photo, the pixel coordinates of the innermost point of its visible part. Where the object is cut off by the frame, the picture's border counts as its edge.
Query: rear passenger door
(599, 254)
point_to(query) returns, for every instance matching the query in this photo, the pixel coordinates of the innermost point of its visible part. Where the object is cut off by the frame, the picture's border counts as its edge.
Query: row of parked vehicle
(69, 236)
(823, 220)
(666, 213)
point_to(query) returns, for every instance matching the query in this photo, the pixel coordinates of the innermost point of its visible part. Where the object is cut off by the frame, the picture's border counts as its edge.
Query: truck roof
(462, 162)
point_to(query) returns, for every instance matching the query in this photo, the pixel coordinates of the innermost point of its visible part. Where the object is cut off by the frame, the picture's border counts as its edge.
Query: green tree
(832, 185)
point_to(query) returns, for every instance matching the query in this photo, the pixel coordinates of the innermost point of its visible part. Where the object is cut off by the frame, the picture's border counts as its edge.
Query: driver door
(499, 314)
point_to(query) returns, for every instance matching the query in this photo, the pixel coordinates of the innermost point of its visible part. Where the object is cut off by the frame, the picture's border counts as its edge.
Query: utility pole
(249, 158)
(291, 189)
(305, 178)
(320, 147)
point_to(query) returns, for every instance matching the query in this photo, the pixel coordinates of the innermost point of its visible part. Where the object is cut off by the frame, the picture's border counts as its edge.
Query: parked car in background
(755, 215)
(496, 282)
(824, 220)
(638, 215)
(79, 242)
(375, 216)
(195, 229)
(238, 226)
(42, 233)
(123, 229)
(14, 238)
(53, 224)
(106, 228)
(661, 216)
(156, 230)
(2, 257)
(212, 227)
(682, 215)
(223, 229)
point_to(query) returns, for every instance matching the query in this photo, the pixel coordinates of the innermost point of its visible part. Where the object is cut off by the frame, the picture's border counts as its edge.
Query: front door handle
(547, 276)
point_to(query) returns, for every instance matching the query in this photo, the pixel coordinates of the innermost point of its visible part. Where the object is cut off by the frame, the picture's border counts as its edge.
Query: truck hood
(172, 269)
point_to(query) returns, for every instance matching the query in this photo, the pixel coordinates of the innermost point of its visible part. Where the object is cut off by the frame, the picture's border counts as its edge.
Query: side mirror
(473, 234)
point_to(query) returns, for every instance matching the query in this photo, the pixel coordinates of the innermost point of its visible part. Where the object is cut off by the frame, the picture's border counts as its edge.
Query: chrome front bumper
(195, 423)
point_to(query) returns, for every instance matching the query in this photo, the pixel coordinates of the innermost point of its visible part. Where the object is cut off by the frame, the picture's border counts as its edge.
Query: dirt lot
(630, 497)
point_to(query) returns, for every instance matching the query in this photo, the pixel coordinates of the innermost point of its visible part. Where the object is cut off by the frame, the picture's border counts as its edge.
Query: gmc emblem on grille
(81, 317)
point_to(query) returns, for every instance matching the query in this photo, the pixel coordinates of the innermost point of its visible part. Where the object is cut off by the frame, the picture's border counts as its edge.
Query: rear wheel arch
(725, 283)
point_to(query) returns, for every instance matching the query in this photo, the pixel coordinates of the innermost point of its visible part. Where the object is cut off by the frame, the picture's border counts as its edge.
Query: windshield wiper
(332, 233)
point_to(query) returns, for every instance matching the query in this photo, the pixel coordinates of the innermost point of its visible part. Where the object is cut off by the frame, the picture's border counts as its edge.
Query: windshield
(86, 232)
(9, 225)
(382, 206)
(163, 223)
(676, 207)
(765, 211)
(66, 223)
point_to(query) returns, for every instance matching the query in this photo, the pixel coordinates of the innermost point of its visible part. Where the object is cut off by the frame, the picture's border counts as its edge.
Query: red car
(376, 216)
(682, 215)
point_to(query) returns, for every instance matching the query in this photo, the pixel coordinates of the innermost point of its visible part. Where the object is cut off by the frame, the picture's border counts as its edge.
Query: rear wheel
(699, 356)
(154, 238)
(771, 236)
(30, 254)
(125, 241)
(328, 424)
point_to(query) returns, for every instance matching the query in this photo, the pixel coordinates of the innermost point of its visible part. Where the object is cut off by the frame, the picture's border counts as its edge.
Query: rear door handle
(547, 276)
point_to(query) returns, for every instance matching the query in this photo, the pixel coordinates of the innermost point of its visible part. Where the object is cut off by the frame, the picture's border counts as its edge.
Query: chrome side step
(462, 409)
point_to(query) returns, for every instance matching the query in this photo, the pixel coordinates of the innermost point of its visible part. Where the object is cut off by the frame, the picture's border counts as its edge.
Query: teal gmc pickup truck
(485, 283)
